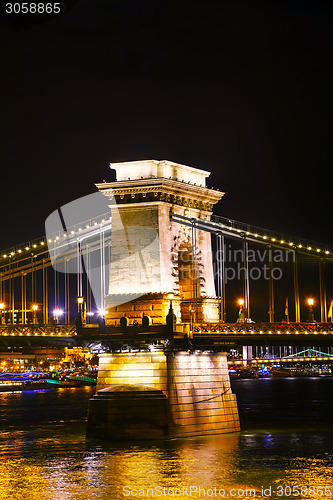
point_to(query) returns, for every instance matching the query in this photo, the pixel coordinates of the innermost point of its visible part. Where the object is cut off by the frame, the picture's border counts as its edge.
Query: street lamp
(241, 314)
(80, 301)
(2, 307)
(57, 313)
(170, 297)
(101, 320)
(34, 308)
(311, 313)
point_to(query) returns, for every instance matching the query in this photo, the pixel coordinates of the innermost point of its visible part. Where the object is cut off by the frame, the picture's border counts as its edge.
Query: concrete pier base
(128, 412)
(162, 395)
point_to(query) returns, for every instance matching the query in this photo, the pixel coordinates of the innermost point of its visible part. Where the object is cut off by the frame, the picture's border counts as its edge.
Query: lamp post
(34, 308)
(241, 314)
(311, 313)
(82, 315)
(2, 307)
(57, 313)
(101, 320)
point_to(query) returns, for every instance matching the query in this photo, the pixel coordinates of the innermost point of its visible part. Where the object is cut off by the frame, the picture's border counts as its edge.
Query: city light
(310, 302)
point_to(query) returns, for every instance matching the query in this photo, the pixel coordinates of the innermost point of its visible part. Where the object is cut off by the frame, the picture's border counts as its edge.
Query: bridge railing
(37, 330)
(263, 328)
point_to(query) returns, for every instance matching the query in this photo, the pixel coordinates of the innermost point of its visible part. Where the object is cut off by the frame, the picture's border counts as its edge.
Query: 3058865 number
(303, 491)
(33, 8)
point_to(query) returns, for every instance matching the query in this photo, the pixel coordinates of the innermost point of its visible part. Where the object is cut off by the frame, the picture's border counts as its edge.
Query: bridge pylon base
(161, 395)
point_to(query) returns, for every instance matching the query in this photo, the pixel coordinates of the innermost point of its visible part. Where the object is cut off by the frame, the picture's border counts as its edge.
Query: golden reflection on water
(315, 472)
(19, 480)
(61, 469)
(206, 462)
(48, 458)
(103, 472)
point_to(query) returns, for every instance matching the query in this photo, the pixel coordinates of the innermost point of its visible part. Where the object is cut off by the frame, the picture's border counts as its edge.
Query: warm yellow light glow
(318, 249)
(282, 241)
(170, 296)
(240, 302)
(57, 312)
(310, 302)
(309, 248)
(34, 307)
(273, 239)
(80, 300)
(291, 243)
(2, 305)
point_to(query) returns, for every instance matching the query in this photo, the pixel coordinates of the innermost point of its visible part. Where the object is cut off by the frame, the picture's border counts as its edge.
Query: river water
(285, 449)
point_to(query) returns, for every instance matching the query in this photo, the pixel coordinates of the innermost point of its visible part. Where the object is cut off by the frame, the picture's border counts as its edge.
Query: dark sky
(242, 89)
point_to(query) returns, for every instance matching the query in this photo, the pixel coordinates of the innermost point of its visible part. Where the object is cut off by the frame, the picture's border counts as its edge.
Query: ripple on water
(44, 454)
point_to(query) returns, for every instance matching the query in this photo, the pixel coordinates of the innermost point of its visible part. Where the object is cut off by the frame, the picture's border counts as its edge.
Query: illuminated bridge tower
(179, 265)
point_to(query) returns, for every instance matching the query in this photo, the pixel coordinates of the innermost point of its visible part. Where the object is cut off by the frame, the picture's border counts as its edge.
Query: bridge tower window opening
(189, 284)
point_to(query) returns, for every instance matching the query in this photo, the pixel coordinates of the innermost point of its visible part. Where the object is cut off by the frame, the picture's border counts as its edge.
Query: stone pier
(154, 260)
(157, 395)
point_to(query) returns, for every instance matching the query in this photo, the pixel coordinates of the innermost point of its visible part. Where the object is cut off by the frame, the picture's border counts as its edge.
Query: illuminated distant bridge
(306, 356)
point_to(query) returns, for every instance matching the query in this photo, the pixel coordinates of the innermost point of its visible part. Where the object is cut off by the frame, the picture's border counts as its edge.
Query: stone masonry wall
(197, 386)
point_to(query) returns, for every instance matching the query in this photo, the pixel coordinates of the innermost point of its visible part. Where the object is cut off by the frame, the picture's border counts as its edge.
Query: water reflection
(204, 462)
(44, 454)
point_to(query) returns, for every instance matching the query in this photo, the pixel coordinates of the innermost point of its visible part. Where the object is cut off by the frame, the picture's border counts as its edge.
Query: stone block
(142, 307)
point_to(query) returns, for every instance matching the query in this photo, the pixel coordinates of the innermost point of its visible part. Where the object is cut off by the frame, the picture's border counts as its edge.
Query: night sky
(242, 89)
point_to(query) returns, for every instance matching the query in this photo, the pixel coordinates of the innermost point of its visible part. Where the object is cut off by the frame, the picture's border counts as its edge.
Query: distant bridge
(307, 355)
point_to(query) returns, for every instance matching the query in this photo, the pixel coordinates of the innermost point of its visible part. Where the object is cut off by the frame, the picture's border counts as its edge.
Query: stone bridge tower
(145, 192)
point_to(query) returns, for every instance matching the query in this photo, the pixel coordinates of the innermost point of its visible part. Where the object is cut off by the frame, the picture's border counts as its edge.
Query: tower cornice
(164, 189)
